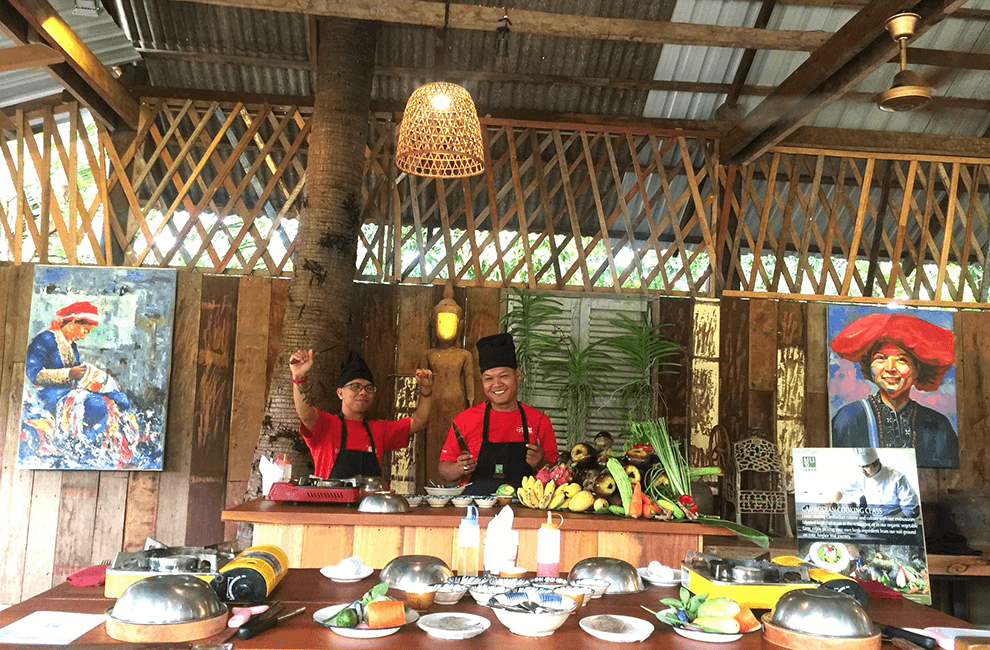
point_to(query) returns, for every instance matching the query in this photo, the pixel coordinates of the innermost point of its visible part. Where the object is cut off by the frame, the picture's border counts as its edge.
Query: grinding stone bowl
(168, 608)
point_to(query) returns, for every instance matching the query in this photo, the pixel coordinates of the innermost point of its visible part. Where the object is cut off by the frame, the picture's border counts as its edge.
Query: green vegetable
(617, 510)
(622, 482)
(346, 617)
(375, 592)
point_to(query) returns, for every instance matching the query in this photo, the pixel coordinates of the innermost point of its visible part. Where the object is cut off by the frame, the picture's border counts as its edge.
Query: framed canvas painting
(892, 381)
(97, 369)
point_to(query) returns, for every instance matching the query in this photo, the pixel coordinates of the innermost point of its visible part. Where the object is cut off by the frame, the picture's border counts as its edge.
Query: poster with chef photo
(859, 514)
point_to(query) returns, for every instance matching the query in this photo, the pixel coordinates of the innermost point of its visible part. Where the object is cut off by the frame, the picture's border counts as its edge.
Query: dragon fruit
(543, 476)
(561, 474)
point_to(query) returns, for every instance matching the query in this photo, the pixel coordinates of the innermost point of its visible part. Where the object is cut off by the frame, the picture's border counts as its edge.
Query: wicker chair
(757, 455)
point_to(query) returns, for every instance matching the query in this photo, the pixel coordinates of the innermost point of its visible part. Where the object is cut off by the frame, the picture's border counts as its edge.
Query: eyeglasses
(355, 387)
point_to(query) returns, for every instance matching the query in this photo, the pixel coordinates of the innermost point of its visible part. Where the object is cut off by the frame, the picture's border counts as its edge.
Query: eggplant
(583, 455)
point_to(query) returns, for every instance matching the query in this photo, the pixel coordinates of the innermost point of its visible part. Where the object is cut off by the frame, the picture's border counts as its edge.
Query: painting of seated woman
(96, 369)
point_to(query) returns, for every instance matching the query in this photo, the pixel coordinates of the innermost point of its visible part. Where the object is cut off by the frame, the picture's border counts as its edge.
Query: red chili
(694, 507)
(685, 499)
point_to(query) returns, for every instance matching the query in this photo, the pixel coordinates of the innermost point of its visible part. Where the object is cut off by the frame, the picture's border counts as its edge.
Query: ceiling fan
(908, 91)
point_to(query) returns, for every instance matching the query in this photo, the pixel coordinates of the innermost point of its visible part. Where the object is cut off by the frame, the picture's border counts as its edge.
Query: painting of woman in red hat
(94, 386)
(908, 359)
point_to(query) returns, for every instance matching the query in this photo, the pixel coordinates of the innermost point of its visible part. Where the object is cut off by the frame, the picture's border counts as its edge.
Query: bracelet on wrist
(301, 380)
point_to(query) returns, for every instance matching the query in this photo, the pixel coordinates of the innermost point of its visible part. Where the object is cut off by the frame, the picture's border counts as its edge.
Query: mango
(718, 608)
(581, 501)
(714, 624)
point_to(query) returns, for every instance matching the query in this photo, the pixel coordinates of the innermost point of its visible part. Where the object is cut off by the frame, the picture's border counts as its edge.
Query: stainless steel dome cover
(408, 571)
(823, 613)
(167, 599)
(623, 577)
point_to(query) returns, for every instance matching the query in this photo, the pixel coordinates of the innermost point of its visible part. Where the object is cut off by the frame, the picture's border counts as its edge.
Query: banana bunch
(545, 496)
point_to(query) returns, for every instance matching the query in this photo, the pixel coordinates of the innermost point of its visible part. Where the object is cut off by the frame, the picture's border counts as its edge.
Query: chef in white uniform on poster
(877, 486)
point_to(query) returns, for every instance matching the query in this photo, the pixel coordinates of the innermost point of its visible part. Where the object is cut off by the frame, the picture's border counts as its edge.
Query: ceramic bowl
(437, 502)
(530, 623)
(449, 593)
(470, 581)
(462, 502)
(580, 595)
(599, 585)
(408, 571)
(622, 576)
(452, 491)
(548, 581)
(486, 502)
(414, 499)
(504, 500)
(511, 583)
(384, 502)
(483, 593)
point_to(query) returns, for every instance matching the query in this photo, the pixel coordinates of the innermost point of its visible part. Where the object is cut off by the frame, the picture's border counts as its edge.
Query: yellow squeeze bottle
(468, 543)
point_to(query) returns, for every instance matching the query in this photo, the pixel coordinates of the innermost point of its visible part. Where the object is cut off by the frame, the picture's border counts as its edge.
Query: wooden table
(307, 587)
(316, 535)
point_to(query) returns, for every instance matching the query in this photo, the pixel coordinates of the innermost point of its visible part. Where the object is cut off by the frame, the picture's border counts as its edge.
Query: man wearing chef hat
(505, 440)
(897, 352)
(878, 486)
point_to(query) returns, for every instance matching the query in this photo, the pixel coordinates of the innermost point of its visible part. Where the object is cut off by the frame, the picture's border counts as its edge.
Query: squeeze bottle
(548, 548)
(468, 542)
(285, 467)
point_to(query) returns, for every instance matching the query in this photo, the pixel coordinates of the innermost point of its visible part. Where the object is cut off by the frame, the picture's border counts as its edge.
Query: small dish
(462, 502)
(512, 583)
(415, 499)
(486, 502)
(453, 626)
(437, 491)
(653, 579)
(700, 635)
(333, 572)
(483, 593)
(449, 593)
(617, 629)
(580, 595)
(548, 581)
(470, 581)
(322, 616)
(542, 589)
(504, 500)
(600, 585)
(437, 501)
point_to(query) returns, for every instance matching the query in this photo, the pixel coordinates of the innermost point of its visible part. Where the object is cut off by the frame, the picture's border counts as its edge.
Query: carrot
(650, 509)
(636, 502)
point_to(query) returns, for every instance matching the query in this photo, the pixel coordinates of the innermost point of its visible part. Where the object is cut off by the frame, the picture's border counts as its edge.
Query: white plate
(327, 613)
(644, 573)
(453, 491)
(698, 635)
(636, 629)
(842, 556)
(328, 572)
(454, 626)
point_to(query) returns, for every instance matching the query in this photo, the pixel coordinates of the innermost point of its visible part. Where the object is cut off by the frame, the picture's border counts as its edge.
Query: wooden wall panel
(677, 315)
(76, 523)
(141, 513)
(973, 395)
(45, 501)
(763, 366)
(173, 494)
(111, 505)
(734, 367)
(816, 420)
(413, 318)
(214, 381)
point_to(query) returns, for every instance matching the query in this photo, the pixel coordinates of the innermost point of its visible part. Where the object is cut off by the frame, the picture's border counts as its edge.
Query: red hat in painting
(930, 344)
(82, 311)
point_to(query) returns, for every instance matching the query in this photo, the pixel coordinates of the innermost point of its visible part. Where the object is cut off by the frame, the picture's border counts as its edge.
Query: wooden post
(320, 292)
(119, 208)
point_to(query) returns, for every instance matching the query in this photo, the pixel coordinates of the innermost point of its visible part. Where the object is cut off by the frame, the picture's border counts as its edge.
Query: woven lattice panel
(756, 501)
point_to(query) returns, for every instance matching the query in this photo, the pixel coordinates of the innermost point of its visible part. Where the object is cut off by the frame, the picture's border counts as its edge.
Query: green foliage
(576, 377)
(642, 349)
(525, 313)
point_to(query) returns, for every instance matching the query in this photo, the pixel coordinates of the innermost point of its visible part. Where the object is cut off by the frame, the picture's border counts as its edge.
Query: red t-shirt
(503, 426)
(324, 439)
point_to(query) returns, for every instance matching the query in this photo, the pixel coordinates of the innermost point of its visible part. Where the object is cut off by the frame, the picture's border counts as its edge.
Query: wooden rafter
(832, 70)
(34, 55)
(82, 74)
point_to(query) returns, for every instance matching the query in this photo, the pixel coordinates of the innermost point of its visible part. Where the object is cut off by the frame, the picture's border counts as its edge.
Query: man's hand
(77, 372)
(300, 362)
(534, 456)
(466, 463)
(425, 379)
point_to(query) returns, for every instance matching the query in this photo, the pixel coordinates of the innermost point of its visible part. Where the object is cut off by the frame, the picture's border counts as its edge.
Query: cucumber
(617, 510)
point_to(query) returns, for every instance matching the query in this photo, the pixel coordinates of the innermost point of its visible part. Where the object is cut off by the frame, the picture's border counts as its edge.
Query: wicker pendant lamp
(440, 135)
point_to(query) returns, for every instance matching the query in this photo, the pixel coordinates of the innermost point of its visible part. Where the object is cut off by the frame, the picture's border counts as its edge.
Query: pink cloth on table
(91, 576)
(880, 590)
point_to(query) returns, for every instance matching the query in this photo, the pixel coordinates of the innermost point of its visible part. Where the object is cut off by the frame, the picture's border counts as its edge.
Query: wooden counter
(315, 536)
(307, 587)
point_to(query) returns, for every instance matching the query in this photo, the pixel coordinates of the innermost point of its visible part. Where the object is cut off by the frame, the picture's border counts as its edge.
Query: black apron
(499, 462)
(354, 462)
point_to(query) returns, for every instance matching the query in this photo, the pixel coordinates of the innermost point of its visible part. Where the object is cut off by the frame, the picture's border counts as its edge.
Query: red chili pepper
(685, 499)
(694, 507)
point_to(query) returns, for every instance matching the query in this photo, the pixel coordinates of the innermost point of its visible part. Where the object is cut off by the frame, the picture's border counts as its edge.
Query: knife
(254, 628)
(461, 442)
(926, 642)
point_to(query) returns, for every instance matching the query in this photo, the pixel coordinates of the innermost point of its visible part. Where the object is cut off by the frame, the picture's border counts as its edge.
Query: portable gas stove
(316, 490)
(756, 582)
(155, 559)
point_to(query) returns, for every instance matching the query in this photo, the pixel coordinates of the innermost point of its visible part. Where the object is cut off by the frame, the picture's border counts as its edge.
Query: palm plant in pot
(577, 377)
(526, 317)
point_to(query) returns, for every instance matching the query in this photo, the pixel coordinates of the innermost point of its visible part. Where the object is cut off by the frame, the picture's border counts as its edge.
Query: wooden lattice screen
(220, 187)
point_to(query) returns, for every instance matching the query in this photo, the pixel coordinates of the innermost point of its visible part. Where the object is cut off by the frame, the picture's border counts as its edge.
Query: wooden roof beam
(34, 55)
(83, 74)
(854, 51)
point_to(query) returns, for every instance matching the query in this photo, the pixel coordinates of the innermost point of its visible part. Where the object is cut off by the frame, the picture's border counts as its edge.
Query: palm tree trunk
(317, 315)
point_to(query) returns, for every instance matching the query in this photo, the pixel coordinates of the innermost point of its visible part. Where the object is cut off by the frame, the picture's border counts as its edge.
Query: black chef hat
(354, 368)
(496, 351)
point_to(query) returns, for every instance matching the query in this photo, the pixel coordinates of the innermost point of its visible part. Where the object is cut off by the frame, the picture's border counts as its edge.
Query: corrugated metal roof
(107, 41)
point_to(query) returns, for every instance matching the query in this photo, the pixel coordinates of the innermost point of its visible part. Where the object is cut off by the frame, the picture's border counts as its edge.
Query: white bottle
(285, 467)
(468, 543)
(548, 548)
